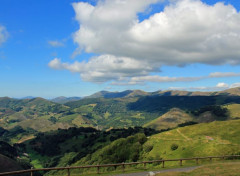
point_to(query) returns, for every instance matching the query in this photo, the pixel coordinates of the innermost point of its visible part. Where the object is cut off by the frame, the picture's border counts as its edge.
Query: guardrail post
(98, 169)
(68, 171)
(163, 164)
(196, 160)
(31, 171)
(210, 159)
(180, 162)
(144, 165)
(123, 166)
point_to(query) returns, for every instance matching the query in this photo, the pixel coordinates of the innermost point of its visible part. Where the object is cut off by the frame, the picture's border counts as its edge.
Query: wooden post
(210, 159)
(31, 171)
(68, 170)
(123, 167)
(180, 162)
(196, 160)
(163, 164)
(144, 165)
(98, 169)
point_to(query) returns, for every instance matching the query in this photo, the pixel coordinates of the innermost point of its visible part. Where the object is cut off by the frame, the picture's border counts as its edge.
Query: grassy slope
(223, 169)
(169, 120)
(234, 110)
(206, 139)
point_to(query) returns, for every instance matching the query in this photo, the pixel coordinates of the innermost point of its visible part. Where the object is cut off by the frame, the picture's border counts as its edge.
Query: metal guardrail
(163, 161)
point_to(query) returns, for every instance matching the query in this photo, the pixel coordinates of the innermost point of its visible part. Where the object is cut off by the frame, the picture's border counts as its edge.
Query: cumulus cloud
(105, 68)
(3, 34)
(131, 50)
(235, 85)
(186, 31)
(125, 71)
(55, 43)
(56, 64)
(222, 85)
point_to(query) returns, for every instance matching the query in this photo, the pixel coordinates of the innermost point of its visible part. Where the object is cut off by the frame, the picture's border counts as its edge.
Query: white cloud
(156, 78)
(3, 34)
(105, 68)
(218, 87)
(164, 79)
(56, 64)
(235, 85)
(202, 88)
(223, 74)
(222, 85)
(132, 51)
(187, 31)
(55, 43)
(125, 71)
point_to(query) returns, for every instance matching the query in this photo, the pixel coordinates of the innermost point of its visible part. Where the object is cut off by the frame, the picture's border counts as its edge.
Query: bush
(174, 147)
(148, 148)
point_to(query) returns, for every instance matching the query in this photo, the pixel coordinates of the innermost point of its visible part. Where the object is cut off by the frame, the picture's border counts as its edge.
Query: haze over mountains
(133, 93)
(113, 109)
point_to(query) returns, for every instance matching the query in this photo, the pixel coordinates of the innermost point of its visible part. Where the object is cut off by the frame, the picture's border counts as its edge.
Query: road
(186, 169)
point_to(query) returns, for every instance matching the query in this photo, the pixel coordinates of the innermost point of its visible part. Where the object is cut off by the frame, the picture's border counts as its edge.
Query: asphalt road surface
(186, 169)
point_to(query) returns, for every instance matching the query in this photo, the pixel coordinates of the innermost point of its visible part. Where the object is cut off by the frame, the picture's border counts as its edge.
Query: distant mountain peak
(232, 91)
(126, 93)
(63, 99)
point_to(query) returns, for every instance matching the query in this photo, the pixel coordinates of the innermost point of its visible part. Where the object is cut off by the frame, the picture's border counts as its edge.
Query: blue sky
(76, 48)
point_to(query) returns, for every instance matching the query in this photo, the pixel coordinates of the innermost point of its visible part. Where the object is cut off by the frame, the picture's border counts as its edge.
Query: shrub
(174, 147)
(148, 148)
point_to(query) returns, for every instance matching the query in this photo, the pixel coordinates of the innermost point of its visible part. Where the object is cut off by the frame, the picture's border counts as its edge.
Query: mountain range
(136, 93)
(110, 127)
(105, 110)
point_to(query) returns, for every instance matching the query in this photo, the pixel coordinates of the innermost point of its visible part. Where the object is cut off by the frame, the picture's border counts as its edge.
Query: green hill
(63, 99)
(171, 119)
(64, 147)
(126, 93)
(234, 110)
(206, 139)
(231, 92)
(114, 110)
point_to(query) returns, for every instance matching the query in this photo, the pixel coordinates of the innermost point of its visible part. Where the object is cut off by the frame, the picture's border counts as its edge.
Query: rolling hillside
(171, 119)
(206, 139)
(114, 110)
(63, 99)
(234, 110)
(126, 93)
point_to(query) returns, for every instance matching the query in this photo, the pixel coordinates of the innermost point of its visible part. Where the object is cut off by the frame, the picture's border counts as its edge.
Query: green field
(206, 139)
(234, 110)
